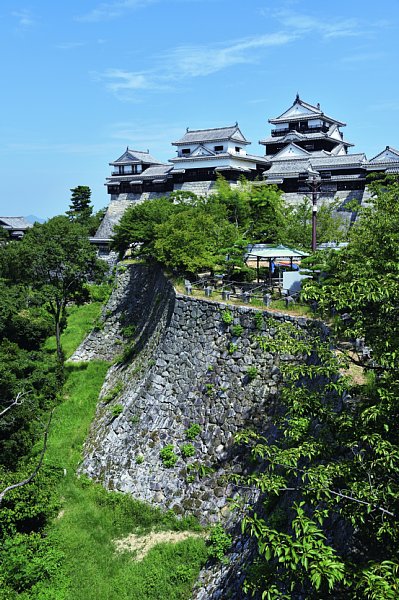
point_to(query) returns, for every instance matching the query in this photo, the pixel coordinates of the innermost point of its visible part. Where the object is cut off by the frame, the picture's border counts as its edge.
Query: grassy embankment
(91, 519)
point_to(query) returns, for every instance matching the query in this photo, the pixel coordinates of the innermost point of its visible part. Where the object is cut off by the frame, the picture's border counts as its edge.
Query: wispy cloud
(143, 135)
(385, 106)
(112, 10)
(328, 28)
(70, 45)
(124, 84)
(194, 61)
(24, 18)
(185, 62)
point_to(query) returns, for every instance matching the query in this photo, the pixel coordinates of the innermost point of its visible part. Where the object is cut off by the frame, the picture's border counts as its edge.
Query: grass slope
(92, 518)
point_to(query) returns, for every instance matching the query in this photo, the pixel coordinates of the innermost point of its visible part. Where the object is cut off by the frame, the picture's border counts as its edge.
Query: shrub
(258, 318)
(245, 274)
(113, 393)
(193, 431)
(237, 330)
(227, 317)
(252, 372)
(187, 450)
(219, 542)
(168, 456)
(116, 410)
(129, 331)
(139, 459)
(232, 348)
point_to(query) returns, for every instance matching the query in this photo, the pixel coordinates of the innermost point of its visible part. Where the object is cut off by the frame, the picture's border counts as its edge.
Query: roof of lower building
(268, 251)
(321, 161)
(136, 156)
(14, 223)
(388, 155)
(151, 173)
(217, 134)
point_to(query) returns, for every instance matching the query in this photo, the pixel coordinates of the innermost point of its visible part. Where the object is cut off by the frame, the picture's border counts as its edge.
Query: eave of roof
(303, 137)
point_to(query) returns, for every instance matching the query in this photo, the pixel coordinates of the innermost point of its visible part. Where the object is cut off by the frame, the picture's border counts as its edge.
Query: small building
(203, 153)
(136, 172)
(386, 162)
(15, 226)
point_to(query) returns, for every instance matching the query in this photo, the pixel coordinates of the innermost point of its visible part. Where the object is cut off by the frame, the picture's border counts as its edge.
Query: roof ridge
(213, 128)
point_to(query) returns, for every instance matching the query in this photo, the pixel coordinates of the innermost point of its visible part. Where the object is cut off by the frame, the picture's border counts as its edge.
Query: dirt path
(142, 544)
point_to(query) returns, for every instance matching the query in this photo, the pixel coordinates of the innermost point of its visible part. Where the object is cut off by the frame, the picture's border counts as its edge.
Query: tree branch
(16, 402)
(37, 468)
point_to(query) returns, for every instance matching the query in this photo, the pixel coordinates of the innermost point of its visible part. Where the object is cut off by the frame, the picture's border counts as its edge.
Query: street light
(313, 181)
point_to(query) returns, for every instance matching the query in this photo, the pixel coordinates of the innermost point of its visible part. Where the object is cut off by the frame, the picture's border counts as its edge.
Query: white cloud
(24, 18)
(126, 85)
(194, 61)
(328, 28)
(111, 10)
(363, 57)
(48, 147)
(185, 62)
(70, 45)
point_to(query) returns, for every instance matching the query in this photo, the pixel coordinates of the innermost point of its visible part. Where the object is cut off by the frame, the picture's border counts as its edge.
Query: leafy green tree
(331, 226)
(80, 209)
(328, 472)
(56, 259)
(137, 227)
(267, 213)
(193, 240)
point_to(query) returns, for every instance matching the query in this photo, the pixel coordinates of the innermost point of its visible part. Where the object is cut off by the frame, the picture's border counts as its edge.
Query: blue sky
(81, 80)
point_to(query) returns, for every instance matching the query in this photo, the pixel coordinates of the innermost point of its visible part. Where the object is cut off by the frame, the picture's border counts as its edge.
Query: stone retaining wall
(184, 366)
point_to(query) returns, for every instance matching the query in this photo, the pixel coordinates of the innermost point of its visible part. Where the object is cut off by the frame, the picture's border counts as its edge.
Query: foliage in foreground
(190, 234)
(328, 527)
(56, 534)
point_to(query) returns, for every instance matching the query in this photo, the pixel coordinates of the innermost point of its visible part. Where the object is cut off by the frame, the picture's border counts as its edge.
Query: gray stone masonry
(184, 366)
(181, 364)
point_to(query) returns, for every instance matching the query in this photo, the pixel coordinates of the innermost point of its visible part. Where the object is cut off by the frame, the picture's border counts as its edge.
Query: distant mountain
(34, 219)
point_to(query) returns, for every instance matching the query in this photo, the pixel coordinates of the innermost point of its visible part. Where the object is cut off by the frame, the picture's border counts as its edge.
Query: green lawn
(80, 321)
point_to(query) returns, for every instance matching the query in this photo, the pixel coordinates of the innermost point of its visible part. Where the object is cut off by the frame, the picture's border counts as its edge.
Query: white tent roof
(266, 251)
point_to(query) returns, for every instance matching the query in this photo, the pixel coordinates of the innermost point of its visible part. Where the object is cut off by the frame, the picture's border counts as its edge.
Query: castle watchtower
(309, 128)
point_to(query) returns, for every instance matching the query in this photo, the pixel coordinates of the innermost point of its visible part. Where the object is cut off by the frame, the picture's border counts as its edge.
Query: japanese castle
(303, 140)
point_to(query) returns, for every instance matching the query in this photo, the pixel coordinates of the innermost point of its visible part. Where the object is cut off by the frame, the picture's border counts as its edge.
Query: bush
(116, 410)
(187, 450)
(245, 274)
(219, 542)
(258, 318)
(227, 317)
(168, 456)
(237, 330)
(252, 372)
(27, 559)
(193, 431)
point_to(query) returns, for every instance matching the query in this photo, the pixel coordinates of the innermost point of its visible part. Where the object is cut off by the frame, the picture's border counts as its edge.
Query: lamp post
(313, 181)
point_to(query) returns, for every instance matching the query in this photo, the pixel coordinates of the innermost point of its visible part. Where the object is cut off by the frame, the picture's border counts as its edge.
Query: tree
(56, 259)
(80, 209)
(330, 225)
(328, 471)
(137, 227)
(194, 240)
